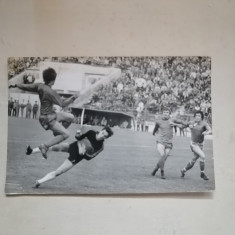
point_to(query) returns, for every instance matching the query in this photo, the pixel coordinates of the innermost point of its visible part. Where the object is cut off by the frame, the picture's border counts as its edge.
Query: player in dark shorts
(49, 119)
(199, 128)
(87, 146)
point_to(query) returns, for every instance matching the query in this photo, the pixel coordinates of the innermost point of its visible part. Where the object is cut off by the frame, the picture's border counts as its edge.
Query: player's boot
(162, 175)
(154, 171)
(29, 150)
(182, 173)
(37, 184)
(43, 148)
(203, 176)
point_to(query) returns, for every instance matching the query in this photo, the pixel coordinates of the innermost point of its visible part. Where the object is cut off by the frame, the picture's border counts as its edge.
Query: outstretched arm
(175, 122)
(25, 87)
(62, 103)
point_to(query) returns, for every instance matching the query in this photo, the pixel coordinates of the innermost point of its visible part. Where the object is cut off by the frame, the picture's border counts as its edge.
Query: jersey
(197, 130)
(92, 145)
(47, 96)
(165, 131)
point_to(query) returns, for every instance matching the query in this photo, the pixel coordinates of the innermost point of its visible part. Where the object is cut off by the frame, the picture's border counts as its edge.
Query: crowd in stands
(156, 82)
(16, 65)
(147, 83)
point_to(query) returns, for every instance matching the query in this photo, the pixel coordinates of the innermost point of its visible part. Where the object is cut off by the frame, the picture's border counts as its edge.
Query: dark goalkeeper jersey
(91, 143)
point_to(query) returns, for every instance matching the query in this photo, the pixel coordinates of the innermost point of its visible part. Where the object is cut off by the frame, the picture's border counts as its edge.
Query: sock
(157, 167)
(189, 166)
(202, 166)
(36, 150)
(48, 177)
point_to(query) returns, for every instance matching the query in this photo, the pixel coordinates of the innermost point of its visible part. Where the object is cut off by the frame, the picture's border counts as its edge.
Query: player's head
(166, 113)
(105, 133)
(198, 115)
(49, 76)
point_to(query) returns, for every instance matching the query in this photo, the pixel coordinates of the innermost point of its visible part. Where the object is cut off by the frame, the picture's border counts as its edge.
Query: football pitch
(124, 167)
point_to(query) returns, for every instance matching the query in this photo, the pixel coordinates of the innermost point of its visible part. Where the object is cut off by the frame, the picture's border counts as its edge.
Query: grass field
(124, 167)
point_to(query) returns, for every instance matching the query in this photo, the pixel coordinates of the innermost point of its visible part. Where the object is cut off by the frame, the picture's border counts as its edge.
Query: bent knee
(65, 134)
(69, 117)
(202, 158)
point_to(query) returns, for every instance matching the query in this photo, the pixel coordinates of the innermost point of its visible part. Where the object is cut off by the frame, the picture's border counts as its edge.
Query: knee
(70, 117)
(202, 158)
(65, 134)
(192, 162)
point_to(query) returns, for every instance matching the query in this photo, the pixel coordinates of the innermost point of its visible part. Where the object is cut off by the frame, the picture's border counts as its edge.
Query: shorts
(74, 156)
(47, 121)
(167, 145)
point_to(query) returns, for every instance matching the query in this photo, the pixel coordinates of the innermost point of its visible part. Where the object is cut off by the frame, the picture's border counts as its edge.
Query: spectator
(28, 109)
(22, 107)
(17, 108)
(14, 109)
(35, 110)
(10, 106)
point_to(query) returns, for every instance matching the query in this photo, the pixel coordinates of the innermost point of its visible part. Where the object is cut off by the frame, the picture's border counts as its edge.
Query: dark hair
(109, 131)
(200, 112)
(49, 75)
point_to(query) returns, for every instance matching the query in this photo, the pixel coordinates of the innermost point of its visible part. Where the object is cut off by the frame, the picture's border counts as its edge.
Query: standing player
(87, 146)
(49, 119)
(164, 126)
(199, 128)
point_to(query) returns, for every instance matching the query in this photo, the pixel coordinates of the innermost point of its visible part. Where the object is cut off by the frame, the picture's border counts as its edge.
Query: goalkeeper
(49, 119)
(87, 146)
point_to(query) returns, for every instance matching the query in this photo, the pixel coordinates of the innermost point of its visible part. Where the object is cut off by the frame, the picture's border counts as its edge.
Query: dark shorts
(47, 121)
(74, 156)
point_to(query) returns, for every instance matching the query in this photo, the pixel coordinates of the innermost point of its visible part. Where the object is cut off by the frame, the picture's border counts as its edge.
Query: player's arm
(26, 87)
(179, 122)
(90, 156)
(78, 136)
(62, 103)
(155, 128)
(208, 130)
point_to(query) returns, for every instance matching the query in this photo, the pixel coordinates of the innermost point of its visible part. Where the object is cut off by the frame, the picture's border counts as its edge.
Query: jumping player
(49, 119)
(199, 128)
(87, 146)
(164, 126)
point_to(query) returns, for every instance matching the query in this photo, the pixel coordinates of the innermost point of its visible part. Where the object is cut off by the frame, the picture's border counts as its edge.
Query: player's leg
(163, 161)
(65, 118)
(191, 163)
(61, 134)
(62, 147)
(67, 165)
(161, 151)
(202, 157)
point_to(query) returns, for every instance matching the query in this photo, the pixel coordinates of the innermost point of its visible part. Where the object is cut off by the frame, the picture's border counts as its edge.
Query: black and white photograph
(109, 125)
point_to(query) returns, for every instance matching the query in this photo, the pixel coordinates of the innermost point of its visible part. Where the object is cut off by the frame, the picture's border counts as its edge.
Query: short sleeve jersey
(165, 130)
(197, 130)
